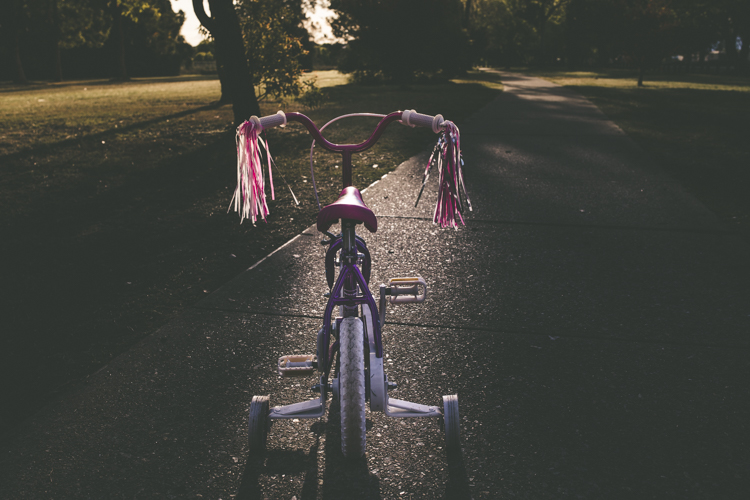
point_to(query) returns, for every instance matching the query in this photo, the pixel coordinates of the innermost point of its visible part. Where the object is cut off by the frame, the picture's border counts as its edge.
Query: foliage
(638, 32)
(275, 42)
(82, 23)
(158, 27)
(312, 97)
(83, 31)
(733, 19)
(513, 32)
(327, 55)
(397, 40)
(499, 35)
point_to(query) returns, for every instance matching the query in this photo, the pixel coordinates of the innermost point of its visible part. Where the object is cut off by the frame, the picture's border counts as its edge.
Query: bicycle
(358, 375)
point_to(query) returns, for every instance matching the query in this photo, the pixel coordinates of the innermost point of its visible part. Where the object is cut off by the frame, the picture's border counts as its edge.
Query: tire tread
(352, 388)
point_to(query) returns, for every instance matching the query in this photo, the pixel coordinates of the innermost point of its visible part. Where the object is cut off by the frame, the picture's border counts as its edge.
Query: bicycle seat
(348, 206)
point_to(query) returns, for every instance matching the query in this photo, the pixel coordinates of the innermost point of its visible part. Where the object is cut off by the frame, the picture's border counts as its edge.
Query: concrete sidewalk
(592, 316)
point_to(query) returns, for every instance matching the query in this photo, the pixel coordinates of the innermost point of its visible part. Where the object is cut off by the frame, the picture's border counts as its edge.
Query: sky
(317, 23)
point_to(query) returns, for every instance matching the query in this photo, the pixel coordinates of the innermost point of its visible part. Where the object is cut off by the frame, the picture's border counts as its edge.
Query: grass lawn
(113, 208)
(696, 126)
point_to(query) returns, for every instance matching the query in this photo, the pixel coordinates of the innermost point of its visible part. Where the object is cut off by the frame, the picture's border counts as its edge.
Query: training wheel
(257, 428)
(451, 424)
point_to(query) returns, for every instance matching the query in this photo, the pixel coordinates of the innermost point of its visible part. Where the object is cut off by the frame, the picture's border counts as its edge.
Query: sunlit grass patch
(327, 78)
(489, 80)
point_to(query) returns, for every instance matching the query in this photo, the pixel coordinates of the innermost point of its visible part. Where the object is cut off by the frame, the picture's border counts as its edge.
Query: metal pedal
(407, 290)
(297, 365)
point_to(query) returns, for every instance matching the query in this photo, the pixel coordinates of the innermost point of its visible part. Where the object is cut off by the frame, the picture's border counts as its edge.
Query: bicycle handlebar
(412, 119)
(447, 151)
(409, 117)
(270, 121)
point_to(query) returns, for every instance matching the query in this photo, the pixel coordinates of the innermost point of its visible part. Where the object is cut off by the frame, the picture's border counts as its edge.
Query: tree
(517, 31)
(594, 32)
(236, 70)
(501, 35)
(734, 23)
(12, 28)
(155, 40)
(53, 17)
(121, 12)
(79, 37)
(649, 32)
(543, 15)
(275, 38)
(396, 40)
(642, 32)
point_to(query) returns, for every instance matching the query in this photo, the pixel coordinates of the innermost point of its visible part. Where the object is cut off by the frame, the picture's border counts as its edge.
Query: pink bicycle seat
(348, 206)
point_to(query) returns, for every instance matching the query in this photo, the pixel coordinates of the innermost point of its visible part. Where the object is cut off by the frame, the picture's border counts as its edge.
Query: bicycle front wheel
(352, 387)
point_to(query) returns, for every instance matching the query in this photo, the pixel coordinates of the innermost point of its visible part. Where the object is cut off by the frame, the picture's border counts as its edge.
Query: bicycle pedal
(407, 290)
(297, 365)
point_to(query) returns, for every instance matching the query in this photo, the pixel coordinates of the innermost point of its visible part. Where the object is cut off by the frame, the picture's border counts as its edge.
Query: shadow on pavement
(280, 462)
(342, 478)
(457, 486)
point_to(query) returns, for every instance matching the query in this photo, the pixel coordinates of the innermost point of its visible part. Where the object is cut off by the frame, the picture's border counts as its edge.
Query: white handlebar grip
(279, 119)
(412, 118)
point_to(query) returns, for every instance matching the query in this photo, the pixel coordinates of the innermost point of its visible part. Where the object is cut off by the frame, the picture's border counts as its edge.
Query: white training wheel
(452, 424)
(257, 428)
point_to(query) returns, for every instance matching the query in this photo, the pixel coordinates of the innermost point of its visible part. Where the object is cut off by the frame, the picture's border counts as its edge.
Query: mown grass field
(113, 208)
(696, 126)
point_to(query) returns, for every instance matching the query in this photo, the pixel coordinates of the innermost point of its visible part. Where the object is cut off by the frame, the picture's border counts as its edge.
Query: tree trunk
(57, 76)
(20, 73)
(640, 75)
(55, 21)
(14, 36)
(467, 14)
(121, 71)
(235, 73)
(542, 28)
(225, 98)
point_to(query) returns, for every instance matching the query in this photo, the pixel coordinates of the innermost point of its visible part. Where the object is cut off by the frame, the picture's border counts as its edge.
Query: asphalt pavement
(592, 316)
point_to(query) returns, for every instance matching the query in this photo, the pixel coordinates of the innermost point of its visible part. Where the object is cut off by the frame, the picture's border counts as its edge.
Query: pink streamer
(249, 198)
(447, 157)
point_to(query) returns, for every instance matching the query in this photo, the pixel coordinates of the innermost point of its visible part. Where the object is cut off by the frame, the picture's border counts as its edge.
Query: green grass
(696, 126)
(113, 207)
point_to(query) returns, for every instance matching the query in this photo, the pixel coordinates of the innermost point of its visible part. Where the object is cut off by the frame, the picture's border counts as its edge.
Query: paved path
(593, 318)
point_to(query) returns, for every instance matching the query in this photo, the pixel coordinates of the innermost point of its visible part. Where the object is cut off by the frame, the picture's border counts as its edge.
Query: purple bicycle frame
(335, 299)
(349, 270)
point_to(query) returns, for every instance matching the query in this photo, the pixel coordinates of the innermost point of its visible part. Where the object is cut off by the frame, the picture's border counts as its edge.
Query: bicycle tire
(257, 425)
(452, 425)
(352, 388)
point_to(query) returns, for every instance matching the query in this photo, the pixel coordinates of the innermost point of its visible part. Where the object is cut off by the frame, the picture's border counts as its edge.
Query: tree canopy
(90, 38)
(399, 40)
(578, 32)
(385, 40)
(276, 42)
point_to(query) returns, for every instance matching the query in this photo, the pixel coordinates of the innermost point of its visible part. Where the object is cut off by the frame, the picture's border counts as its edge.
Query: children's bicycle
(349, 351)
